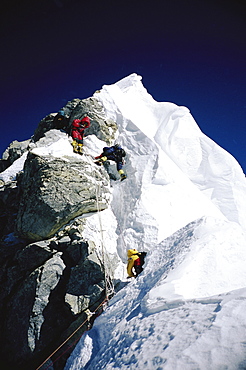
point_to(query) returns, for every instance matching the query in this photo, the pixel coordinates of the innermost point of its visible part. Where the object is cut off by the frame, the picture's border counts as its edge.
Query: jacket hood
(86, 119)
(130, 252)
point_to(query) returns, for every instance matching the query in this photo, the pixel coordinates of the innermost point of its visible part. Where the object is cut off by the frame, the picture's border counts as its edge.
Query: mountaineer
(114, 153)
(77, 133)
(135, 261)
(61, 120)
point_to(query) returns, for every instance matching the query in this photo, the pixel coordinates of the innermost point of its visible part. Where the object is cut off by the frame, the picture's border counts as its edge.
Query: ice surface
(183, 202)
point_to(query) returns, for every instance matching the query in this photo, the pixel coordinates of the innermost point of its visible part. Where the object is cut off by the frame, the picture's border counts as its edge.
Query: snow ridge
(183, 203)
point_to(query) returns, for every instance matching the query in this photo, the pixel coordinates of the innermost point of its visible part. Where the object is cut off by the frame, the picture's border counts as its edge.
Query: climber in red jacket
(77, 133)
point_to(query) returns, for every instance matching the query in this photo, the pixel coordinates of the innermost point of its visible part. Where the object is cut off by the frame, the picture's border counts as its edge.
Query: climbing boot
(122, 175)
(98, 163)
(75, 146)
(101, 160)
(80, 148)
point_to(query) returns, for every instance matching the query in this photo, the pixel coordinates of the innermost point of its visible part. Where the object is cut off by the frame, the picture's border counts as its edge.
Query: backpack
(121, 152)
(142, 256)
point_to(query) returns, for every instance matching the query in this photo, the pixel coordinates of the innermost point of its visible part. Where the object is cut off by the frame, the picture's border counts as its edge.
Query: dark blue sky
(189, 52)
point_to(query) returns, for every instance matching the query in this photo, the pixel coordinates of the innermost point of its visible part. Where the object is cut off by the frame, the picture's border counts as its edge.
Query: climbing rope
(65, 341)
(120, 228)
(102, 240)
(109, 287)
(121, 196)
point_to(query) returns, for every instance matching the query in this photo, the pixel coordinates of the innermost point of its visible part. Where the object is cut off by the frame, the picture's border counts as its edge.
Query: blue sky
(191, 53)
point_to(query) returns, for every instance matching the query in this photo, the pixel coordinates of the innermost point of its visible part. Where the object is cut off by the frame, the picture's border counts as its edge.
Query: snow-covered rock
(55, 188)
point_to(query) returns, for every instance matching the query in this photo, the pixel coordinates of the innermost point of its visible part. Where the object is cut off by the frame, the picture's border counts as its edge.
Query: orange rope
(65, 341)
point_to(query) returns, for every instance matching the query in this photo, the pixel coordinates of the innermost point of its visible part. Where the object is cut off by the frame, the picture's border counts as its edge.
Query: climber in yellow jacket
(135, 261)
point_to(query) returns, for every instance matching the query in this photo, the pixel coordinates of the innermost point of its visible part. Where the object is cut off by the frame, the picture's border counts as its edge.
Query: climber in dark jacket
(61, 120)
(114, 153)
(77, 133)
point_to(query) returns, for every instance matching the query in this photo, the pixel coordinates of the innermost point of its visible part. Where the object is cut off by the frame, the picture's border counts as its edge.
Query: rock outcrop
(54, 191)
(51, 275)
(102, 127)
(15, 150)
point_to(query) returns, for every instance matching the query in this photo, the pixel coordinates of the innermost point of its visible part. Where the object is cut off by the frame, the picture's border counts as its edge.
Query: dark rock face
(4, 163)
(50, 275)
(8, 208)
(45, 287)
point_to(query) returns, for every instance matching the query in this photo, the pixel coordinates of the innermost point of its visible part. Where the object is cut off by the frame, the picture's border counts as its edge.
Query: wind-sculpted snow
(183, 203)
(148, 326)
(210, 168)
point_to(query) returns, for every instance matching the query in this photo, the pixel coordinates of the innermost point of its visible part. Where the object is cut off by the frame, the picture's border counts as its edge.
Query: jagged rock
(105, 129)
(47, 286)
(33, 256)
(64, 241)
(81, 291)
(48, 138)
(11, 154)
(44, 126)
(48, 122)
(102, 127)
(4, 163)
(78, 251)
(48, 283)
(55, 191)
(18, 261)
(15, 151)
(30, 301)
(8, 207)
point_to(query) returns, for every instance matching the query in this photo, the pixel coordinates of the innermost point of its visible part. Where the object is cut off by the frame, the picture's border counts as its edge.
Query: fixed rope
(121, 196)
(109, 288)
(120, 228)
(66, 340)
(102, 241)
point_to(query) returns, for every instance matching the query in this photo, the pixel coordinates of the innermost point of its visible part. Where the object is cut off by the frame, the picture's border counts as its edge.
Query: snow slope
(183, 202)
